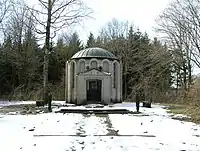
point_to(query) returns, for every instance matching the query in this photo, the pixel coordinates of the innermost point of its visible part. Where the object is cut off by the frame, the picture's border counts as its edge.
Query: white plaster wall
(81, 90)
(113, 95)
(75, 82)
(72, 91)
(66, 81)
(106, 62)
(118, 83)
(81, 65)
(69, 83)
(81, 87)
(78, 93)
(114, 90)
(94, 60)
(106, 96)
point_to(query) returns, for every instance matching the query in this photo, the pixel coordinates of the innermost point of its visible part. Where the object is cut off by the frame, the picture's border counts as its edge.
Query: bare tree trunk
(177, 81)
(185, 77)
(189, 74)
(46, 53)
(146, 92)
(60, 14)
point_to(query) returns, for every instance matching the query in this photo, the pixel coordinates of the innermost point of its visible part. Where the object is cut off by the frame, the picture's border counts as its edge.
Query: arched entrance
(94, 90)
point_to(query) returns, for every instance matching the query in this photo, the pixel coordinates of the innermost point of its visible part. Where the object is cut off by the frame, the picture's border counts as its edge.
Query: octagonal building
(93, 75)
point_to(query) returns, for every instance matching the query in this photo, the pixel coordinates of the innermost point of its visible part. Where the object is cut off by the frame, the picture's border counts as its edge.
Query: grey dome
(94, 53)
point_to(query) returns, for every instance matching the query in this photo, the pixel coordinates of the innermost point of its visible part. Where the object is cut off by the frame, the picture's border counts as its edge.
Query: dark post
(49, 96)
(137, 99)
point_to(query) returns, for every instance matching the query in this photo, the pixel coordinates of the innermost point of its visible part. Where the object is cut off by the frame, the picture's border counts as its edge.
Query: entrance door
(94, 91)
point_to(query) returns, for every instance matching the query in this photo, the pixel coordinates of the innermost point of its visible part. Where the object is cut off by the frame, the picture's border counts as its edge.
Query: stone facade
(93, 79)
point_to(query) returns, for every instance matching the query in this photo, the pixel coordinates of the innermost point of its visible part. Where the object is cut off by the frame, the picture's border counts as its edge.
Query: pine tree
(75, 44)
(90, 41)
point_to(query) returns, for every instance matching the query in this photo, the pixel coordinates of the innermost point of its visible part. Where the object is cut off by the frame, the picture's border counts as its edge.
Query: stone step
(94, 111)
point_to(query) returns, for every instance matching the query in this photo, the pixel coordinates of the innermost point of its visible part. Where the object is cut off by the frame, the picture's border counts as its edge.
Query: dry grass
(188, 105)
(23, 109)
(192, 111)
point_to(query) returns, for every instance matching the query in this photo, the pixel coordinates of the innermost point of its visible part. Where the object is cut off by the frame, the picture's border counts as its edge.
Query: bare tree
(114, 36)
(4, 8)
(175, 23)
(53, 15)
(115, 29)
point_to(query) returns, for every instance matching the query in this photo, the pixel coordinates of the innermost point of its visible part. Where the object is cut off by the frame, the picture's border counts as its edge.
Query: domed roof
(94, 53)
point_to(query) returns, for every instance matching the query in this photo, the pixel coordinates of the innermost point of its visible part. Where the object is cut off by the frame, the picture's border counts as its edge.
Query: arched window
(72, 73)
(114, 74)
(93, 64)
(82, 66)
(105, 66)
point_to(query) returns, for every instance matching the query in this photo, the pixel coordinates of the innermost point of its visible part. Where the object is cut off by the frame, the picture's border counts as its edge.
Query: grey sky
(141, 13)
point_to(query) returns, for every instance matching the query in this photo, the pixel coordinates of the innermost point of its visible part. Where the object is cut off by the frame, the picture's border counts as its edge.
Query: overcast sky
(141, 13)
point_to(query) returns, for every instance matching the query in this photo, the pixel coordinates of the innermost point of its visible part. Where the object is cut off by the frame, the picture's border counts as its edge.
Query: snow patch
(60, 132)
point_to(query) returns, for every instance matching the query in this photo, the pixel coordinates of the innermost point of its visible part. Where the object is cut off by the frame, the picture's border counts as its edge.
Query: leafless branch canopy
(63, 13)
(4, 8)
(181, 23)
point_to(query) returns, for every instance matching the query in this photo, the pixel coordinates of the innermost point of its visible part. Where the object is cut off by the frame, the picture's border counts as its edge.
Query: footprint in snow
(81, 143)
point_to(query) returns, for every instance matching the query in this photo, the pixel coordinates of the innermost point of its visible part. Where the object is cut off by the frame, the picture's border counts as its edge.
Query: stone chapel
(93, 75)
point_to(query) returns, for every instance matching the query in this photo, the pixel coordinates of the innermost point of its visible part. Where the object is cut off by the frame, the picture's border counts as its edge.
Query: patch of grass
(101, 115)
(22, 109)
(176, 108)
(192, 111)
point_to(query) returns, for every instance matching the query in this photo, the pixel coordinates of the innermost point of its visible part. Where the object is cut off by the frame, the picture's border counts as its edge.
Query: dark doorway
(93, 91)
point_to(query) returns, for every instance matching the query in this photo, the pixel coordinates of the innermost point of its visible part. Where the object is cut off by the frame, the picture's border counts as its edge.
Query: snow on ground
(169, 134)
(8, 103)
(152, 129)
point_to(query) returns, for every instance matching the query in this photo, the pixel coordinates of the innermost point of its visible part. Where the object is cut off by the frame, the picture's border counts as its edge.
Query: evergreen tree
(74, 44)
(99, 42)
(90, 41)
(57, 61)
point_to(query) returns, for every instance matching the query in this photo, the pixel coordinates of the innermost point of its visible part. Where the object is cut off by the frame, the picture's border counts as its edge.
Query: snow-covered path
(153, 129)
